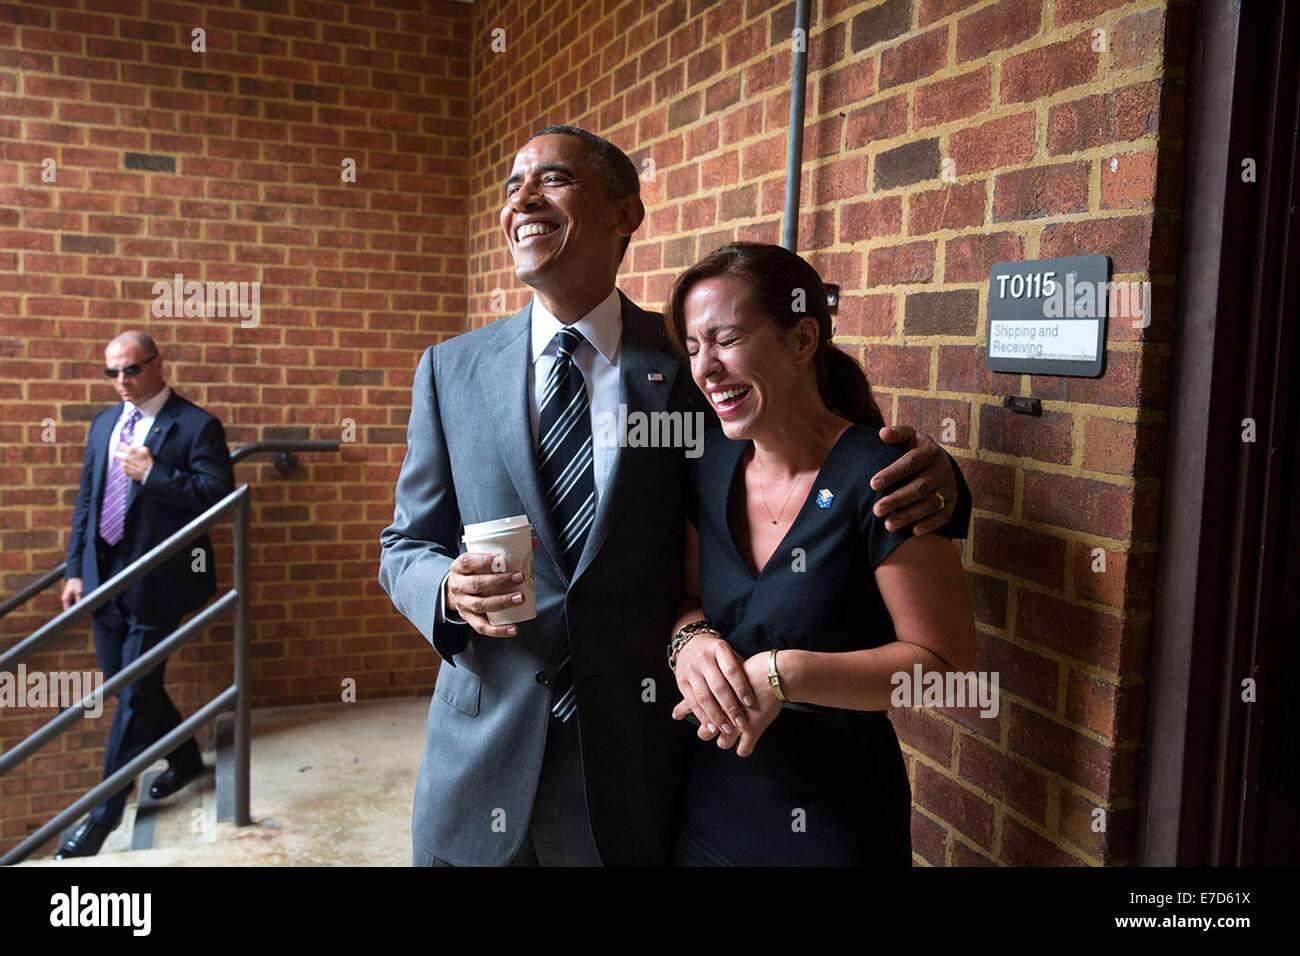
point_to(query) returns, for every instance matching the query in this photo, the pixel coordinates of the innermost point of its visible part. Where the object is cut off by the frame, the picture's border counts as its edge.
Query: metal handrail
(285, 463)
(236, 696)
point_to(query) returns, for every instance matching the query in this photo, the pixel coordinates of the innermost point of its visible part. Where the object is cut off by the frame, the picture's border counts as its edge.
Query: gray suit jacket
(470, 458)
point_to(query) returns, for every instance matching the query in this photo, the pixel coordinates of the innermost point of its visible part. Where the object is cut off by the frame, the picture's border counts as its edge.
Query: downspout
(794, 142)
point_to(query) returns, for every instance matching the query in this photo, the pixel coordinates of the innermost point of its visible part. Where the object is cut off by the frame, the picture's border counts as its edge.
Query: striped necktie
(112, 512)
(568, 475)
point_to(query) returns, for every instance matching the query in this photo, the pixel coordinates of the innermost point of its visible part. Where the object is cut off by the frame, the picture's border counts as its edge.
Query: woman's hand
(757, 717)
(712, 681)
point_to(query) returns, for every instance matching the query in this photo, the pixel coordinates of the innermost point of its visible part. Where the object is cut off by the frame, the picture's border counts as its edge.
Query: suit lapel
(505, 391)
(643, 351)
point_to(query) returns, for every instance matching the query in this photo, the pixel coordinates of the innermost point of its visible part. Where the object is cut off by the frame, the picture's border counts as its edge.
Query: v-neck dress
(823, 786)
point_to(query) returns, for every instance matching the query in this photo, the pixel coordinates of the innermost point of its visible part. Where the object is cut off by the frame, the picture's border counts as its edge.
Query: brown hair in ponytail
(773, 274)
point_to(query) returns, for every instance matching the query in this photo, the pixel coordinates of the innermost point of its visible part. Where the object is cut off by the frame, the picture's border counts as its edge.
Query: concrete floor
(331, 786)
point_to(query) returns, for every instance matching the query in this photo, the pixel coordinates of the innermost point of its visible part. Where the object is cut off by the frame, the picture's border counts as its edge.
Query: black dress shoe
(172, 779)
(87, 840)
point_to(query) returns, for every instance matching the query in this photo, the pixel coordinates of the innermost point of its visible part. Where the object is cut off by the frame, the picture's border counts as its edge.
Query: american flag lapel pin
(655, 376)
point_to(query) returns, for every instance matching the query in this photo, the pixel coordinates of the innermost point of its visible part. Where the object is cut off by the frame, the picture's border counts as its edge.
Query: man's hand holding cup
(491, 585)
(475, 587)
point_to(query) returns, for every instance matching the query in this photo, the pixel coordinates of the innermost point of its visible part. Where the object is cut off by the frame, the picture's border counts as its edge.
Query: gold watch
(774, 677)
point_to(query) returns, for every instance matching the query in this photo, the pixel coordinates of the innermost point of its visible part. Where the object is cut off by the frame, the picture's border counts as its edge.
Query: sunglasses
(130, 371)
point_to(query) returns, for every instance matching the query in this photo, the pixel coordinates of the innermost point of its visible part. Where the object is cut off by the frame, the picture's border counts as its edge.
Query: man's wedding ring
(942, 503)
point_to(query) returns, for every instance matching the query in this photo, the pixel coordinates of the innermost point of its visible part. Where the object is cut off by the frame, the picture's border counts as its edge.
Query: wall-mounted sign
(1048, 316)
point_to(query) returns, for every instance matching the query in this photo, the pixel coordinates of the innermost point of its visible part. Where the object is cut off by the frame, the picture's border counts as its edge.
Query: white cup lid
(483, 529)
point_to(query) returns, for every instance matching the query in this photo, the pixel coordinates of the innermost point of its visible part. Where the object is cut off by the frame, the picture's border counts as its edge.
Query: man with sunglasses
(153, 463)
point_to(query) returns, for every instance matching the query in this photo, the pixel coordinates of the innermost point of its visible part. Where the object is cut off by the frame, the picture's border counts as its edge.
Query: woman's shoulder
(866, 449)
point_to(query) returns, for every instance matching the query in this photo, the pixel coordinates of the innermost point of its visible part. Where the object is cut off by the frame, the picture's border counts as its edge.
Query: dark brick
(285, 433)
(941, 313)
(152, 163)
(350, 376)
(104, 244)
(907, 164)
(892, 18)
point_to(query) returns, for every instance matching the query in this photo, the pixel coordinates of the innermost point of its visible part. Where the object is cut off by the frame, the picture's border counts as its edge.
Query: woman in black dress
(795, 588)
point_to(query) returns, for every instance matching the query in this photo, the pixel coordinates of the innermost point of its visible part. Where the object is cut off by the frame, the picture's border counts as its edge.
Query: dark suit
(191, 472)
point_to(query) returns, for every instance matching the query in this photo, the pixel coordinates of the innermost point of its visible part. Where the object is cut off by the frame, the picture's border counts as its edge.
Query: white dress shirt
(148, 412)
(597, 358)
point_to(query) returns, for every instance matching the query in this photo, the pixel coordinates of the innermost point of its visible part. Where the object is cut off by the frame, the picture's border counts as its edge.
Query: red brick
(933, 10)
(898, 366)
(914, 59)
(1125, 114)
(948, 207)
(900, 265)
(1137, 40)
(1081, 504)
(955, 98)
(1123, 448)
(846, 86)
(988, 598)
(1021, 551)
(947, 799)
(992, 486)
(867, 220)
(971, 258)
(882, 120)
(868, 315)
(1004, 779)
(1127, 240)
(1047, 438)
(1040, 191)
(1001, 142)
(1047, 70)
(930, 415)
(1070, 11)
(1128, 181)
(1002, 25)
(1021, 846)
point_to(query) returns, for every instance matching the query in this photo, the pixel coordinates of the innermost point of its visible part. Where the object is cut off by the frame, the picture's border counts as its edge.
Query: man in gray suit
(551, 742)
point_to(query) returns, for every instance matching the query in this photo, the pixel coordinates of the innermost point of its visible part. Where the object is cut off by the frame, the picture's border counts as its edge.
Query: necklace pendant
(773, 521)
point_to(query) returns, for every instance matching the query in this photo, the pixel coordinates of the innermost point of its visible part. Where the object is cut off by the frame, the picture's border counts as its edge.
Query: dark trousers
(144, 711)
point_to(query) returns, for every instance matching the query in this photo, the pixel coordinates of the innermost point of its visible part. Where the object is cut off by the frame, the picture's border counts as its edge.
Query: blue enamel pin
(824, 498)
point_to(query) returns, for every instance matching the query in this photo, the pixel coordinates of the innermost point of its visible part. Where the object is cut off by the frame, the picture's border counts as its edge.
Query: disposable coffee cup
(511, 540)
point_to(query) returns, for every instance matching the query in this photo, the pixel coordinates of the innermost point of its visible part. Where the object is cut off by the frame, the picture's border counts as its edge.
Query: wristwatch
(684, 634)
(774, 677)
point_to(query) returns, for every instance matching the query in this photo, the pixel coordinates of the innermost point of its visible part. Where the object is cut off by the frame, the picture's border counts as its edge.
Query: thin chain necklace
(762, 487)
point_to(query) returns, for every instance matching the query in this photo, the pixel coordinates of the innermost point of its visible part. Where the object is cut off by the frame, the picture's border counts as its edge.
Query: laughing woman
(801, 604)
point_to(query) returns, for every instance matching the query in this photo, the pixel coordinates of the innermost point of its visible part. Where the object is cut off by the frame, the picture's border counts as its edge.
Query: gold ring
(942, 503)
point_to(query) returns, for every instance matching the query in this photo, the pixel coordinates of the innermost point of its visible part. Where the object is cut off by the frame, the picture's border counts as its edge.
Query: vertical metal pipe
(794, 141)
(243, 704)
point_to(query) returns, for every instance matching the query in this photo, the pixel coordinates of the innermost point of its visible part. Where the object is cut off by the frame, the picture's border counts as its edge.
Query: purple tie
(112, 513)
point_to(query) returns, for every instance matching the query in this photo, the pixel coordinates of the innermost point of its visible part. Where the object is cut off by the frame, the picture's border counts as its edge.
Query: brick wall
(225, 165)
(1056, 150)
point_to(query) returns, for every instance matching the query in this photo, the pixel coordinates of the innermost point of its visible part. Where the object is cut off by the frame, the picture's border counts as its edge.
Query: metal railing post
(243, 706)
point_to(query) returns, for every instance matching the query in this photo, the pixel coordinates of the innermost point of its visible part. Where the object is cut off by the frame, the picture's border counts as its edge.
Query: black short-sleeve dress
(823, 786)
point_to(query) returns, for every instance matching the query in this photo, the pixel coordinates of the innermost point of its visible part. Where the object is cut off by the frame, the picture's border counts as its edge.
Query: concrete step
(331, 785)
